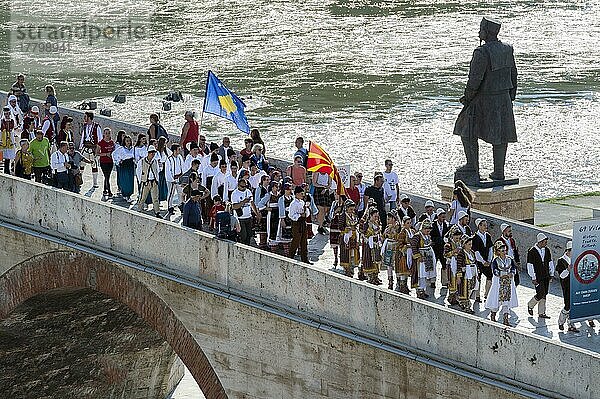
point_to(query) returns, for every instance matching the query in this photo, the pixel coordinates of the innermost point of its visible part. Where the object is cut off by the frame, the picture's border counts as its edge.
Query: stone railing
(518, 358)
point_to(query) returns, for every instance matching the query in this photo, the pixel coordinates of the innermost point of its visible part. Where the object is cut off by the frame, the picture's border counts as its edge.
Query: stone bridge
(97, 301)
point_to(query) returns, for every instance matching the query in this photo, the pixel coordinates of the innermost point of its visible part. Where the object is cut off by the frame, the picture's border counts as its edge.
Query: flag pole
(203, 104)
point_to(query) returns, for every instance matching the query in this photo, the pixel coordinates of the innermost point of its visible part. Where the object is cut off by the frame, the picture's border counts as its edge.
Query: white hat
(504, 226)
(462, 214)
(429, 203)
(35, 109)
(479, 221)
(404, 197)
(541, 237)
(439, 211)
(53, 109)
(12, 97)
(569, 245)
(151, 148)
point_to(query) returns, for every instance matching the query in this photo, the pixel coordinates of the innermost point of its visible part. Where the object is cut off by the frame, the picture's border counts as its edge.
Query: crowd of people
(241, 196)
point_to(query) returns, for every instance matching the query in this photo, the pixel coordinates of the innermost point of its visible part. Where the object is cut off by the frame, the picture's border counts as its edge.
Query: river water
(367, 80)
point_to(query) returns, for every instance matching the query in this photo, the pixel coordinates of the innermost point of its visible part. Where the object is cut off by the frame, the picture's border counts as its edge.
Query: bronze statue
(487, 113)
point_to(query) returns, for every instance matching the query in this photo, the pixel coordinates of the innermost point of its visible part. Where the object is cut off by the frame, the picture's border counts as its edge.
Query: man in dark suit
(438, 232)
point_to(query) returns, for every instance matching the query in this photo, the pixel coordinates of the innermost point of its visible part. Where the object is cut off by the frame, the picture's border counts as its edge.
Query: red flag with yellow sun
(320, 161)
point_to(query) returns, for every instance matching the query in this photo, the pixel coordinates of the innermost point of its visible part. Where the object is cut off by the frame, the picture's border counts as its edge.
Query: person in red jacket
(106, 146)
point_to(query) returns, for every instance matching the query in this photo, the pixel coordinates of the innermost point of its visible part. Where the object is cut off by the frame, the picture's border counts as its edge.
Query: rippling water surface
(367, 80)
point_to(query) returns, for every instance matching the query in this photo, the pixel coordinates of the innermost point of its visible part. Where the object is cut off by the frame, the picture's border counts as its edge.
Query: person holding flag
(324, 175)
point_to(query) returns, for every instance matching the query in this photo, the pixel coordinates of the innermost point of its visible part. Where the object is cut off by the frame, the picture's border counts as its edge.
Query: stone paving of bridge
(321, 254)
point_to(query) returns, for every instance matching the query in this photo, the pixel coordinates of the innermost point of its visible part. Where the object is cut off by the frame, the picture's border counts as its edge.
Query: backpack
(223, 224)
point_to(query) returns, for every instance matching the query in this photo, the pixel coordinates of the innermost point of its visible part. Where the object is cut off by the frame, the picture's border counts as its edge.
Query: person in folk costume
(362, 226)
(429, 212)
(466, 274)
(423, 260)
(15, 111)
(348, 238)
(173, 172)
(390, 250)
(540, 268)
(91, 134)
(162, 154)
(125, 158)
(298, 210)
(451, 249)
(284, 235)
(23, 161)
(372, 247)
(36, 123)
(402, 268)
(503, 292)
(7, 141)
(563, 268)
(335, 214)
(273, 216)
(463, 223)
(262, 195)
(406, 209)
(439, 231)
(147, 171)
(313, 210)
(511, 246)
(483, 247)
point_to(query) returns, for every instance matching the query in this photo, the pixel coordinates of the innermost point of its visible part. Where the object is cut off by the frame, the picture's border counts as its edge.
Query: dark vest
(540, 266)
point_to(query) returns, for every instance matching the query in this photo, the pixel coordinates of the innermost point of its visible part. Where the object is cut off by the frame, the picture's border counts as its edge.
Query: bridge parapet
(329, 299)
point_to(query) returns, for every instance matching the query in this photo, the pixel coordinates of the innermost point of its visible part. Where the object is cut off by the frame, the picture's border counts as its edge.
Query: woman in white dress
(503, 292)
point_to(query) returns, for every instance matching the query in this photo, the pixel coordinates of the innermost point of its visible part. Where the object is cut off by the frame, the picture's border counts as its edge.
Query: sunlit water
(367, 80)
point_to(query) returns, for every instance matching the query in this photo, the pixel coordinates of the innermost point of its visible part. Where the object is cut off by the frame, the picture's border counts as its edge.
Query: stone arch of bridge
(73, 270)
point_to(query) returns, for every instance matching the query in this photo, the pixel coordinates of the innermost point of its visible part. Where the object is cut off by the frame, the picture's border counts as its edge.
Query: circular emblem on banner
(587, 267)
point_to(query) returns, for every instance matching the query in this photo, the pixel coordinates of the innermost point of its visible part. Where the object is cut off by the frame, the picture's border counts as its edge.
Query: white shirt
(218, 181)
(298, 208)
(509, 249)
(173, 167)
(229, 184)
(207, 172)
(188, 162)
(361, 190)
(139, 153)
(238, 196)
(122, 153)
(57, 161)
(479, 256)
(531, 269)
(87, 134)
(46, 126)
(255, 180)
(390, 186)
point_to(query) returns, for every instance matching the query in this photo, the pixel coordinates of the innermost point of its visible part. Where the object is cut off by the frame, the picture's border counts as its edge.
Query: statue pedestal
(513, 201)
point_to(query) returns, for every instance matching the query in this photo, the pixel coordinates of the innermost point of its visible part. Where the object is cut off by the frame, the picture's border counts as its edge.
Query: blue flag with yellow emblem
(222, 102)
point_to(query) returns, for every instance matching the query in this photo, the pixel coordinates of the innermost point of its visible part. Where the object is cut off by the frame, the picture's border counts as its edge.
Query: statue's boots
(390, 283)
(499, 152)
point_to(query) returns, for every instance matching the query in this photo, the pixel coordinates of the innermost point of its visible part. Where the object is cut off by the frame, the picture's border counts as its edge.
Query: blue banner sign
(585, 271)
